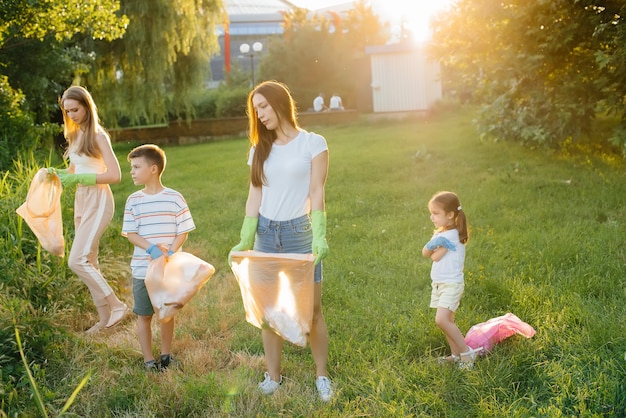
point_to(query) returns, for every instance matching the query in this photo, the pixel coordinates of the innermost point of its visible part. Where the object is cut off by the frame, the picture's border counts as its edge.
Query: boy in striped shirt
(156, 221)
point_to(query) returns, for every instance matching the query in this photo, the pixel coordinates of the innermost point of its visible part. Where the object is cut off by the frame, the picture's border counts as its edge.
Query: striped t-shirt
(158, 218)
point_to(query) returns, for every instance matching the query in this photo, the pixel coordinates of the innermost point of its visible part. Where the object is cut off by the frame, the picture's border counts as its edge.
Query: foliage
(542, 68)
(18, 135)
(227, 100)
(38, 51)
(334, 64)
(63, 20)
(158, 64)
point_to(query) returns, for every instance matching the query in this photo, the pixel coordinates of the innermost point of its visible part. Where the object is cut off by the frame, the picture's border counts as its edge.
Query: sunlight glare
(285, 295)
(414, 16)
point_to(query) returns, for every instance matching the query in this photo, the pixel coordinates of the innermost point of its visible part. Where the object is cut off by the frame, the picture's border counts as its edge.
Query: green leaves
(99, 18)
(541, 68)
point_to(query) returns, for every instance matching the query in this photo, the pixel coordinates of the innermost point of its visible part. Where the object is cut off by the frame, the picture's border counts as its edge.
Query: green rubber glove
(57, 171)
(247, 234)
(68, 180)
(320, 246)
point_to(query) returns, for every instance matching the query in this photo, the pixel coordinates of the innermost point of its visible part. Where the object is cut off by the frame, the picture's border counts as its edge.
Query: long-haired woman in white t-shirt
(285, 210)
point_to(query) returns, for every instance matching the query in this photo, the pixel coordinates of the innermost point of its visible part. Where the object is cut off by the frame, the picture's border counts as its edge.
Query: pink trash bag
(42, 211)
(277, 291)
(172, 282)
(487, 334)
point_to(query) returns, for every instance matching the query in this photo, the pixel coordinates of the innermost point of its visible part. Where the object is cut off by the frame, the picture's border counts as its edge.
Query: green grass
(546, 244)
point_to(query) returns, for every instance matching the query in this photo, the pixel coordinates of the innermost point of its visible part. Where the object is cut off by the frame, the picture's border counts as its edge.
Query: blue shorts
(294, 236)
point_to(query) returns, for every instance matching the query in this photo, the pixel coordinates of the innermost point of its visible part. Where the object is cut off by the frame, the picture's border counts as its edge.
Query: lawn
(546, 243)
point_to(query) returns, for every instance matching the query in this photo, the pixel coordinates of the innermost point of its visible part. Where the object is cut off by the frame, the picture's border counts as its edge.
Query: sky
(414, 14)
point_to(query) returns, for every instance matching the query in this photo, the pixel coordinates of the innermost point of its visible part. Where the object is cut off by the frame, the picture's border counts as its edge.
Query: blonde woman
(93, 167)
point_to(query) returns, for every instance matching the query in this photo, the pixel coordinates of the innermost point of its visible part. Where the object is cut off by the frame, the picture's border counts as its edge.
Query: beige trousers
(93, 211)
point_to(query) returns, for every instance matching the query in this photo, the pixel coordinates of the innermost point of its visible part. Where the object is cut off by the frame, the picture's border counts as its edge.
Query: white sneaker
(325, 392)
(269, 386)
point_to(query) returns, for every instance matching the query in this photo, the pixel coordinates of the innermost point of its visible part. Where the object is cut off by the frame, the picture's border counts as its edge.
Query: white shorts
(446, 295)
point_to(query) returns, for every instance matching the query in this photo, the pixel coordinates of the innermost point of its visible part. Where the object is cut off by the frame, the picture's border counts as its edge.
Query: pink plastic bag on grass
(277, 291)
(487, 334)
(172, 282)
(42, 212)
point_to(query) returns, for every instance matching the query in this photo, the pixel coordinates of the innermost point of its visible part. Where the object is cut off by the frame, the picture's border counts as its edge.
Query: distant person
(156, 221)
(285, 211)
(93, 167)
(335, 102)
(318, 103)
(447, 251)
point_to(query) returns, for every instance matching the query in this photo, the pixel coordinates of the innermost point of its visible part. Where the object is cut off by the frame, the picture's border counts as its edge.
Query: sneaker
(167, 360)
(325, 392)
(269, 386)
(152, 366)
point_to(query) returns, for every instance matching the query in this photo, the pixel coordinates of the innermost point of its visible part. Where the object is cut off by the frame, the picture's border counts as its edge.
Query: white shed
(403, 78)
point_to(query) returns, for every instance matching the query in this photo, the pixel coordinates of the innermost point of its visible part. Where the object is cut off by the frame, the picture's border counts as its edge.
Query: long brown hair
(450, 202)
(278, 96)
(91, 125)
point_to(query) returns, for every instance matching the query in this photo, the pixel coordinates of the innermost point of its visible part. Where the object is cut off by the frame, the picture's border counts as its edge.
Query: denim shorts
(293, 236)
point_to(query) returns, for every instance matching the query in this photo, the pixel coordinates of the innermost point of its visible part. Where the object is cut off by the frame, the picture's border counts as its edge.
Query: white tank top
(84, 164)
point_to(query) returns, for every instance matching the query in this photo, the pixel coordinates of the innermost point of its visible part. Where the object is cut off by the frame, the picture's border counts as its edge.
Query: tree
(541, 67)
(148, 75)
(36, 50)
(320, 53)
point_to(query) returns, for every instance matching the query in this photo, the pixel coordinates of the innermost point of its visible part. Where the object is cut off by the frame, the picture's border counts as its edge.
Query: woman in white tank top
(93, 166)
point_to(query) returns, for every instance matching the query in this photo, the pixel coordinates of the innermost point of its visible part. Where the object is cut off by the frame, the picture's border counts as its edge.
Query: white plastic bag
(277, 291)
(42, 211)
(172, 282)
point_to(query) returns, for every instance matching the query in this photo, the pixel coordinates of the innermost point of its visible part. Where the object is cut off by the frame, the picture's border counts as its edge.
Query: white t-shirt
(285, 195)
(318, 103)
(450, 268)
(335, 102)
(158, 218)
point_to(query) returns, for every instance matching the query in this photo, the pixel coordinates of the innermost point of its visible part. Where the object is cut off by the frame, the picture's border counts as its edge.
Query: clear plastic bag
(42, 211)
(277, 291)
(172, 282)
(489, 333)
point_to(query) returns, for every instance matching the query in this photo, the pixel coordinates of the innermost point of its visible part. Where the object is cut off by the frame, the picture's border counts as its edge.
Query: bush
(231, 102)
(18, 133)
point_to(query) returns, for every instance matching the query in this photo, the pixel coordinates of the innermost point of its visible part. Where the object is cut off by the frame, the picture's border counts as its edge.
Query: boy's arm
(178, 241)
(138, 240)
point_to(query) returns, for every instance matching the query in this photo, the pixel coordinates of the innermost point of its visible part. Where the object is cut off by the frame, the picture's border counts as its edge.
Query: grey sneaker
(325, 392)
(269, 386)
(152, 366)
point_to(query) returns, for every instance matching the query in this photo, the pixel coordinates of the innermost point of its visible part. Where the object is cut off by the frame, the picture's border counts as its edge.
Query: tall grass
(546, 244)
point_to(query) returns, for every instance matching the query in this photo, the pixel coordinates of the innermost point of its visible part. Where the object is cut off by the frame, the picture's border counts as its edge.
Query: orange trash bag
(42, 211)
(172, 282)
(277, 291)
